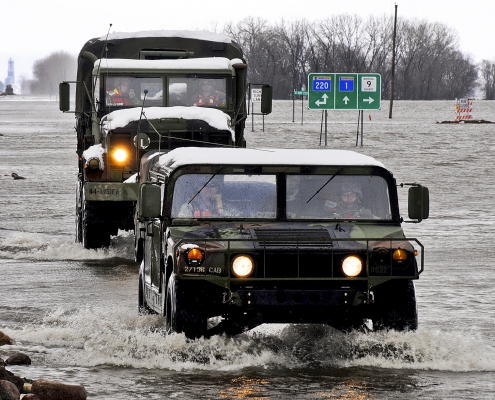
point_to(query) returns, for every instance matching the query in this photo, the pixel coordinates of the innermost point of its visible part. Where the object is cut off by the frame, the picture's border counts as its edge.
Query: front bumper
(110, 191)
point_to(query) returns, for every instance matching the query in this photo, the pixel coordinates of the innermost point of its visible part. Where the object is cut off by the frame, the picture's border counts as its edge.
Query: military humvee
(241, 237)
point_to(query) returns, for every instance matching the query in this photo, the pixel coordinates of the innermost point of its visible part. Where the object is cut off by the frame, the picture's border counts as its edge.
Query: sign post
(301, 93)
(255, 98)
(344, 91)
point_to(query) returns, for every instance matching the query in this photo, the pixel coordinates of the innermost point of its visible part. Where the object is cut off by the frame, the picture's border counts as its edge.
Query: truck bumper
(110, 191)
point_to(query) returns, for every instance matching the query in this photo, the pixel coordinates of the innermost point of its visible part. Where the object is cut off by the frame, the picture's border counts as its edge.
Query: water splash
(91, 336)
(43, 247)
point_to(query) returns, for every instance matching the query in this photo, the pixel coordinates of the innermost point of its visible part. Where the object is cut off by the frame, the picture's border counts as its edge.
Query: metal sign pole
(357, 129)
(302, 110)
(326, 134)
(252, 117)
(293, 106)
(362, 122)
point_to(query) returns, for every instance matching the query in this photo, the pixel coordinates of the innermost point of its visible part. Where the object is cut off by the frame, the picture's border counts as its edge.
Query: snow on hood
(199, 64)
(213, 117)
(325, 157)
(201, 35)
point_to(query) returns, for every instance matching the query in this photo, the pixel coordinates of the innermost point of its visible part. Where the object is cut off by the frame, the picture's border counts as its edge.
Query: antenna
(102, 51)
(138, 130)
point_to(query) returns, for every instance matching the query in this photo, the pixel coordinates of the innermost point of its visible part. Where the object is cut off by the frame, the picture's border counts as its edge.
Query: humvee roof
(211, 156)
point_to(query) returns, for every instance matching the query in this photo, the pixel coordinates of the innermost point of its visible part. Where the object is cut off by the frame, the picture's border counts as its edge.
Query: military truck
(148, 90)
(240, 237)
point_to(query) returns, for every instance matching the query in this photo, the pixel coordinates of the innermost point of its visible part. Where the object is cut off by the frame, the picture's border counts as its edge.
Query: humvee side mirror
(266, 99)
(64, 96)
(149, 202)
(418, 202)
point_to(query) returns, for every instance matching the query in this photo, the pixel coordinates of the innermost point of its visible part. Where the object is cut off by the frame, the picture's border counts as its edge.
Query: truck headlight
(93, 164)
(352, 266)
(120, 155)
(242, 266)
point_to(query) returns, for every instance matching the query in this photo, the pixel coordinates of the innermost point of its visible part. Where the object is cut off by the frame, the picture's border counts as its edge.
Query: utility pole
(393, 66)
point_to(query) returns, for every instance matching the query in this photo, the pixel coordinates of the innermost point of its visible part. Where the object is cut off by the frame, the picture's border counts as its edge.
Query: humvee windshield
(337, 197)
(224, 196)
(307, 197)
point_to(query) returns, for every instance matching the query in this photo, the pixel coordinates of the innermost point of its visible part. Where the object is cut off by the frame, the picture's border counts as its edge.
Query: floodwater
(74, 311)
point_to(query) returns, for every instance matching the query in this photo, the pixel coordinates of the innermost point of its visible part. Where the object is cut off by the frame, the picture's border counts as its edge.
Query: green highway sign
(300, 92)
(341, 91)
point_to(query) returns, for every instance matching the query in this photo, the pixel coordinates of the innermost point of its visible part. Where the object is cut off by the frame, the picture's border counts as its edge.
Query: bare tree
(292, 39)
(488, 75)
(24, 84)
(50, 71)
(428, 66)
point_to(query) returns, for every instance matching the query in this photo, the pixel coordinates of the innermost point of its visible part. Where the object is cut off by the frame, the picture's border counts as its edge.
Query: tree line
(428, 64)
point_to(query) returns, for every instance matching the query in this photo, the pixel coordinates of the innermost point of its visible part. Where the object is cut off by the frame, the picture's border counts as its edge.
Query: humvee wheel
(184, 312)
(395, 306)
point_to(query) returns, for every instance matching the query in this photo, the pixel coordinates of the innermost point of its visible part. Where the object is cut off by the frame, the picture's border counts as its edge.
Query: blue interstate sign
(322, 84)
(346, 84)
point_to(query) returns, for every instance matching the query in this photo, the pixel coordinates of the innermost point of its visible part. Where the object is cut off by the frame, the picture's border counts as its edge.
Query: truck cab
(250, 236)
(145, 91)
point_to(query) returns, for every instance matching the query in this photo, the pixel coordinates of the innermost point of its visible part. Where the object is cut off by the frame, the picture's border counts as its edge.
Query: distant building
(10, 80)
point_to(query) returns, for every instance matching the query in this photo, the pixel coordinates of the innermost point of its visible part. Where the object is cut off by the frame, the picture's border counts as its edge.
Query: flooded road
(74, 311)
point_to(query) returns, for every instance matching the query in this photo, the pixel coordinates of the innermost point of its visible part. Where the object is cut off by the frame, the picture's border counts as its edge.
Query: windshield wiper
(325, 184)
(208, 181)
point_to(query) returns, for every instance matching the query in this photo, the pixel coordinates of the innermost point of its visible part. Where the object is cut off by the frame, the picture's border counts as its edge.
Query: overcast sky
(32, 29)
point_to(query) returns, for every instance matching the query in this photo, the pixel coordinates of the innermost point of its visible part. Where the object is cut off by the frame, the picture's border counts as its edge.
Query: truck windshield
(129, 91)
(337, 197)
(224, 196)
(198, 91)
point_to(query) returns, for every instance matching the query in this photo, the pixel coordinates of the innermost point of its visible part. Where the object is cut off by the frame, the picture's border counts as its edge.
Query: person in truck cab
(209, 96)
(349, 204)
(123, 94)
(207, 202)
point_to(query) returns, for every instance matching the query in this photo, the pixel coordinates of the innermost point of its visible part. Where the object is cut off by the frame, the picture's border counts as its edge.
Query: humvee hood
(291, 232)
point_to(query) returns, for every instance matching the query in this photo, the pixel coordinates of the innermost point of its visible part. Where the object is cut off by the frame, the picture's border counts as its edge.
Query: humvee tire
(395, 306)
(184, 310)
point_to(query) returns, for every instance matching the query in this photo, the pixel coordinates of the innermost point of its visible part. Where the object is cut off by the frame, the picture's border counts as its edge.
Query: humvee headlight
(242, 266)
(194, 256)
(120, 155)
(352, 266)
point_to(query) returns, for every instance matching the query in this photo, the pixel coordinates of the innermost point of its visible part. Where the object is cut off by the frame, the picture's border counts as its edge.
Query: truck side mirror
(149, 201)
(418, 202)
(64, 96)
(266, 99)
